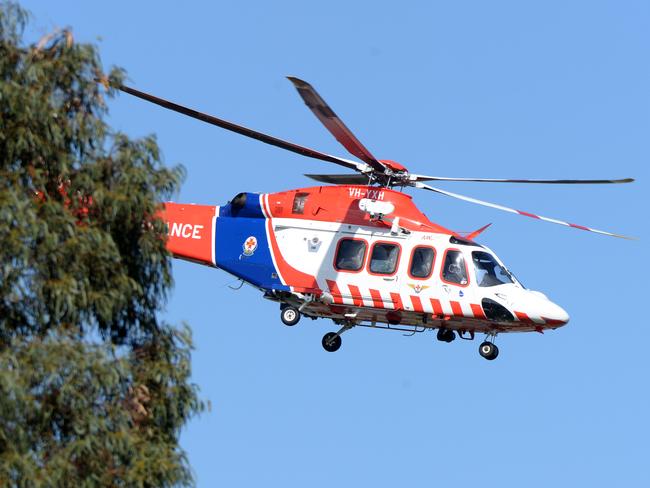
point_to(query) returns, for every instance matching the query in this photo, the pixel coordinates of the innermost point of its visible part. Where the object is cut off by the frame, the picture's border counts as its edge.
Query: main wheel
(446, 335)
(331, 342)
(488, 350)
(290, 315)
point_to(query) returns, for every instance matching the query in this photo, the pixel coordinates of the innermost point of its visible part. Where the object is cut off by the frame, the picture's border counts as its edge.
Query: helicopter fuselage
(359, 255)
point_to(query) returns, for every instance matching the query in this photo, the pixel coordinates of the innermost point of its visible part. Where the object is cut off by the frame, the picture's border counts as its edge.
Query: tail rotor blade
(512, 210)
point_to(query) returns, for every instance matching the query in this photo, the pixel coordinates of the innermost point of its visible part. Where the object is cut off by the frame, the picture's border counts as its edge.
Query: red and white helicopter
(359, 252)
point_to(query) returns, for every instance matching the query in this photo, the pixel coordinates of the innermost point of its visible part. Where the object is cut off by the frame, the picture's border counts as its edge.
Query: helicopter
(357, 250)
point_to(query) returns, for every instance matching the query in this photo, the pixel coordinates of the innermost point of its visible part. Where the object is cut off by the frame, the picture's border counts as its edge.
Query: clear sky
(552, 89)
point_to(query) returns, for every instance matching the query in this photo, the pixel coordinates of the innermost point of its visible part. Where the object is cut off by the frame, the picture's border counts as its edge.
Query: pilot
(489, 276)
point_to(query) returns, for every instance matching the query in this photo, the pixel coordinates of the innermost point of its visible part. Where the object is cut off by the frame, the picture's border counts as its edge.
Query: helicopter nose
(553, 314)
(541, 307)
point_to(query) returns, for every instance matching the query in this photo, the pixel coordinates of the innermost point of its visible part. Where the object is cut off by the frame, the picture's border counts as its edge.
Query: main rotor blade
(512, 210)
(500, 180)
(245, 131)
(341, 179)
(333, 124)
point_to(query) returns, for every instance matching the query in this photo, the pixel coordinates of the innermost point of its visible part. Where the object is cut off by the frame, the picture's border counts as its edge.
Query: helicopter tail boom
(191, 231)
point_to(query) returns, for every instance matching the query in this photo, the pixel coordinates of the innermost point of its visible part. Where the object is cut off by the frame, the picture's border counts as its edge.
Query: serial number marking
(363, 193)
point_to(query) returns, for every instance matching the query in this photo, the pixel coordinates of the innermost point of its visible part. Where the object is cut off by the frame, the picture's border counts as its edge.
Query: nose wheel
(332, 342)
(488, 350)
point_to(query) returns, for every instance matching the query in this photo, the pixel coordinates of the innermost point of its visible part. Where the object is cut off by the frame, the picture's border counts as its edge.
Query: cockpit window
(488, 271)
(422, 262)
(454, 269)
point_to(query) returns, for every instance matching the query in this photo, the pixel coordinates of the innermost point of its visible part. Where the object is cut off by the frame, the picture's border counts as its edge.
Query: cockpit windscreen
(488, 271)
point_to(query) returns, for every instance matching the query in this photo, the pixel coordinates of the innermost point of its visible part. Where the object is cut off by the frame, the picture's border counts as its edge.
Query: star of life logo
(417, 288)
(250, 245)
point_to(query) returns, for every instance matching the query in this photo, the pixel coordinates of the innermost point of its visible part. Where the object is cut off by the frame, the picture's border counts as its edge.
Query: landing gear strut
(289, 315)
(488, 350)
(332, 340)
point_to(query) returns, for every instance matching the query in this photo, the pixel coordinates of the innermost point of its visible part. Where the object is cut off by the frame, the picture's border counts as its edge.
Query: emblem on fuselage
(249, 246)
(417, 288)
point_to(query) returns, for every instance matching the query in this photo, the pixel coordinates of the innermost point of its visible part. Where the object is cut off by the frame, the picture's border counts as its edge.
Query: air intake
(495, 311)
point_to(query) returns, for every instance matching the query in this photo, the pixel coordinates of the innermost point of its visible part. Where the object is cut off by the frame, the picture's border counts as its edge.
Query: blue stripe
(258, 268)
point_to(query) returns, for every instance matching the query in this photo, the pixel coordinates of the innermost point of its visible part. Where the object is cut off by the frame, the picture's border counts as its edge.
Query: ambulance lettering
(185, 231)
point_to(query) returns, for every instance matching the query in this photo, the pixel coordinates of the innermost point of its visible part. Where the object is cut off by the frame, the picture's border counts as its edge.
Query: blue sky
(549, 89)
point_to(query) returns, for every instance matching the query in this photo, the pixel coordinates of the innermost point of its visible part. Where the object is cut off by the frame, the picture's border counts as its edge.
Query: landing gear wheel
(488, 350)
(290, 315)
(331, 342)
(446, 335)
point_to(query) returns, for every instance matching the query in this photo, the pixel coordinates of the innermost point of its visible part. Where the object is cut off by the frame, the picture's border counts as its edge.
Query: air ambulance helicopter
(358, 251)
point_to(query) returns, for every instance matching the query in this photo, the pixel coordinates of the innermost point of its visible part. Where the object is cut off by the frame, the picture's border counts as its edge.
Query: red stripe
(417, 304)
(336, 294)
(477, 311)
(553, 321)
(579, 226)
(287, 273)
(267, 206)
(437, 308)
(456, 308)
(356, 295)
(262, 205)
(523, 317)
(397, 301)
(528, 214)
(377, 301)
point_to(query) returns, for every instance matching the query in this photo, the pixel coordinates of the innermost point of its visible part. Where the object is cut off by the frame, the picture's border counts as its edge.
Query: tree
(94, 388)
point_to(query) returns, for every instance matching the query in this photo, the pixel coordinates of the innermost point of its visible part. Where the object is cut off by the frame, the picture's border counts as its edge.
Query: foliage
(83, 274)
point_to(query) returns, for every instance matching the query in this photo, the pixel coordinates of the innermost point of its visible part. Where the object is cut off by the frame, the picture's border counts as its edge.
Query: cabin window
(422, 262)
(488, 271)
(384, 257)
(350, 255)
(454, 269)
(299, 203)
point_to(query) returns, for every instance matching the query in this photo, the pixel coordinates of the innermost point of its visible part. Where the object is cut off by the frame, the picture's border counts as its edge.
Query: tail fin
(191, 231)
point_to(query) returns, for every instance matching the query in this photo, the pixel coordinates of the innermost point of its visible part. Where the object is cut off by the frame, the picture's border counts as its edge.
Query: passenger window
(384, 258)
(454, 269)
(299, 203)
(422, 262)
(350, 255)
